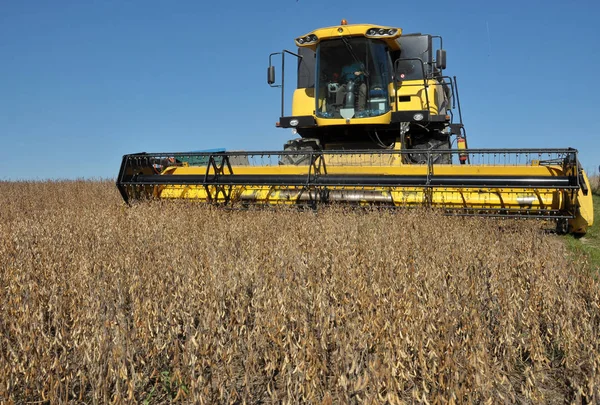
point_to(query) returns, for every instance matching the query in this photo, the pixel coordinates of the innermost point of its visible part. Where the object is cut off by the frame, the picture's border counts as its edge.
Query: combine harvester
(374, 115)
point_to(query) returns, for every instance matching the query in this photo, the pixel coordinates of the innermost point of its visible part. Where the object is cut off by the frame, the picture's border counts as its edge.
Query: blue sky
(84, 82)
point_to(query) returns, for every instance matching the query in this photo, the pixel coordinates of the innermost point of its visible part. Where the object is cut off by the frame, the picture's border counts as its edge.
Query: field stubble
(170, 301)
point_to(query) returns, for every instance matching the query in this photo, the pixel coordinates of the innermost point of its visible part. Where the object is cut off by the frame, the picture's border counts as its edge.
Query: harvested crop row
(165, 301)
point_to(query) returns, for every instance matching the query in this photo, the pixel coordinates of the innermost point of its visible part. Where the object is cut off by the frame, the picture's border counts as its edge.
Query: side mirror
(440, 59)
(271, 74)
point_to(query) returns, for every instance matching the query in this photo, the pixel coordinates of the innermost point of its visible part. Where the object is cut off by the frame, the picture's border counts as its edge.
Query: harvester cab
(373, 117)
(368, 87)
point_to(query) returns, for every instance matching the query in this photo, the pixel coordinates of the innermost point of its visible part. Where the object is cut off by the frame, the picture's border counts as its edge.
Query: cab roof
(390, 34)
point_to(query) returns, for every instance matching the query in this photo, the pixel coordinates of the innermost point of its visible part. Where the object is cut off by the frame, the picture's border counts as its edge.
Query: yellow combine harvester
(374, 116)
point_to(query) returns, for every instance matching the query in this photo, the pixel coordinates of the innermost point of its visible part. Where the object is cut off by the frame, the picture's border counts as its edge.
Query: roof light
(344, 22)
(379, 32)
(307, 39)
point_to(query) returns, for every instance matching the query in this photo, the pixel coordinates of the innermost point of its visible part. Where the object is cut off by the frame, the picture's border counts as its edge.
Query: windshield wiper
(349, 48)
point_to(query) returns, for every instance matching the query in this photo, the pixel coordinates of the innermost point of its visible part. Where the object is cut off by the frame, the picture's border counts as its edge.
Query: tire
(299, 144)
(437, 158)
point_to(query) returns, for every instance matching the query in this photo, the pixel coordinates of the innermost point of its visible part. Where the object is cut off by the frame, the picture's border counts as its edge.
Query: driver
(353, 72)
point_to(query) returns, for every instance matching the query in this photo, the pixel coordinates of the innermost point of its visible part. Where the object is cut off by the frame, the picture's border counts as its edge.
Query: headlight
(293, 122)
(381, 32)
(418, 117)
(308, 39)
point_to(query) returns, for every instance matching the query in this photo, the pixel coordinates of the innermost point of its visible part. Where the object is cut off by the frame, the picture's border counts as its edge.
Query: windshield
(352, 78)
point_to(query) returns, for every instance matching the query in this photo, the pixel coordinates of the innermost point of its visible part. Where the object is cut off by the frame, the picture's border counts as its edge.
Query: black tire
(437, 158)
(299, 144)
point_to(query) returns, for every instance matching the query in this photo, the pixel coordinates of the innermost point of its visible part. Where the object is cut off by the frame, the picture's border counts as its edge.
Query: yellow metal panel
(585, 218)
(303, 102)
(355, 164)
(380, 119)
(415, 89)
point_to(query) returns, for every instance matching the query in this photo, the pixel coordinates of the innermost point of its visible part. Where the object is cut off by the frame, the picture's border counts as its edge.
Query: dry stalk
(167, 302)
